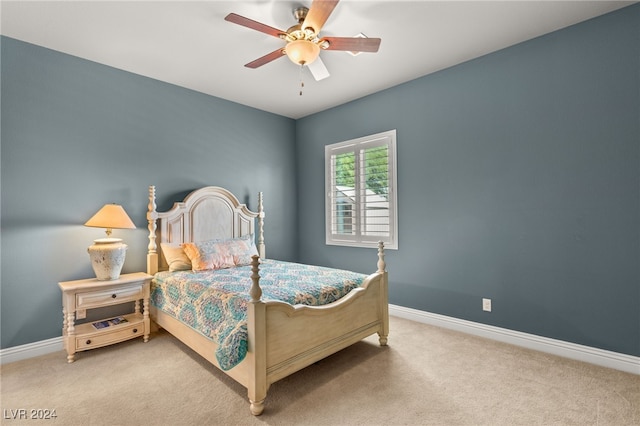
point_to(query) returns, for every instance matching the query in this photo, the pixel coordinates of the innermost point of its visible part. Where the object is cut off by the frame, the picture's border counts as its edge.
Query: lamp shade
(111, 216)
(302, 52)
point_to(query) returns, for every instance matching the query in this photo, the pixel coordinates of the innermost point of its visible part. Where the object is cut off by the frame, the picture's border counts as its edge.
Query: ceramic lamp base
(107, 257)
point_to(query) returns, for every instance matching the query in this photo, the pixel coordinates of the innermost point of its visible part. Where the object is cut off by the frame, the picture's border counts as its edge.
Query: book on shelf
(109, 322)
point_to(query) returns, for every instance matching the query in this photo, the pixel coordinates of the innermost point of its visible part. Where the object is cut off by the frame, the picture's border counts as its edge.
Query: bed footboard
(284, 338)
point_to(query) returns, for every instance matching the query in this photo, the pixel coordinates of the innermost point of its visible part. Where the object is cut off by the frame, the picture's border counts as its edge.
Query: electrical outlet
(486, 305)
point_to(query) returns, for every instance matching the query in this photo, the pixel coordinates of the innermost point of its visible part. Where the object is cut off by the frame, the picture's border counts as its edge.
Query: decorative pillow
(176, 257)
(220, 254)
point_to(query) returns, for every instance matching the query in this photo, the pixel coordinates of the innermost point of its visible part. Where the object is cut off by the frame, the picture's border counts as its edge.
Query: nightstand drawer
(107, 338)
(108, 297)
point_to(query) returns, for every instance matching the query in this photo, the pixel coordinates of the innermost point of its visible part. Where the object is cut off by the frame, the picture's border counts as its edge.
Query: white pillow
(176, 257)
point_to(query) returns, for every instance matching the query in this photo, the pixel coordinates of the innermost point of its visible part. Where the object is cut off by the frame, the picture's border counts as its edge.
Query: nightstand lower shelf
(89, 337)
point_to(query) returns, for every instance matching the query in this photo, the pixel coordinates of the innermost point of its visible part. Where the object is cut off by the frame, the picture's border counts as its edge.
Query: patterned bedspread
(214, 303)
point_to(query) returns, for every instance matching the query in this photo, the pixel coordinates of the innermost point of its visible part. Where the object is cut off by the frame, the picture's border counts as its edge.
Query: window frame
(387, 139)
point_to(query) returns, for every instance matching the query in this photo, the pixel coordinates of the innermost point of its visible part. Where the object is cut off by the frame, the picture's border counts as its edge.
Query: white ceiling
(190, 45)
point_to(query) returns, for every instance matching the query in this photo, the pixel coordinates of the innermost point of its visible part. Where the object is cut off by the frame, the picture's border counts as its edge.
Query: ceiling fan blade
(353, 44)
(318, 70)
(318, 14)
(254, 25)
(266, 59)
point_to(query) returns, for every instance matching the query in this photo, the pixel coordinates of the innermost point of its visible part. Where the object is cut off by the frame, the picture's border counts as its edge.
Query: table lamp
(108, 254)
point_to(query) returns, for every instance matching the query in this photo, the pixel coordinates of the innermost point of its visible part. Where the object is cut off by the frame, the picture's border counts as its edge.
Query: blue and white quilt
(214, 302)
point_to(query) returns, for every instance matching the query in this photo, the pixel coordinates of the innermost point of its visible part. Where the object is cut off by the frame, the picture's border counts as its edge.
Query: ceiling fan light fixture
(302, 52)
(302, 41)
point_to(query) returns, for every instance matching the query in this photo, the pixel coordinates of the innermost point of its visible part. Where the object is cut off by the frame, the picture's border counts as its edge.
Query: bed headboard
(205, 214)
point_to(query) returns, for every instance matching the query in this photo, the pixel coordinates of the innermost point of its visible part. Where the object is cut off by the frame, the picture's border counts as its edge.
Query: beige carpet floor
(426, 376)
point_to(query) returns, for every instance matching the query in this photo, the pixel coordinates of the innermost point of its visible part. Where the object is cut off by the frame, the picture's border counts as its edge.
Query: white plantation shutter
(361, 194)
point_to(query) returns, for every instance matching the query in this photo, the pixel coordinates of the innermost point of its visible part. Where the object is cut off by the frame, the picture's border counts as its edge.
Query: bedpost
(381, 264)
(256, 291)
(261, 246)
(257, 340)
(384, 299)
(152, 249)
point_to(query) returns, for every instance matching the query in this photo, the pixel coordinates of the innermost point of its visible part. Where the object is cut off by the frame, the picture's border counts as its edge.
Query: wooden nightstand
(80, 295)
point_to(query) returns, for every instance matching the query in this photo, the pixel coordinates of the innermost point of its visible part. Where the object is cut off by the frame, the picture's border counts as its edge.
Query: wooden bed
(282, 338)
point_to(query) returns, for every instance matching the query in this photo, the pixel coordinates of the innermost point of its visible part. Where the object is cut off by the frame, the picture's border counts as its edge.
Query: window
(361, 207)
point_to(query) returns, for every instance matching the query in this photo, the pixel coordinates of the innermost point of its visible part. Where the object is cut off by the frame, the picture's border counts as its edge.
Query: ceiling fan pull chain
(301, 80)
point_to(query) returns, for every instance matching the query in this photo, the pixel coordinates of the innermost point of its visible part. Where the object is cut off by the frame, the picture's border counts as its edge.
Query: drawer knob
(89, 342)
(113, 296)
(135, 330)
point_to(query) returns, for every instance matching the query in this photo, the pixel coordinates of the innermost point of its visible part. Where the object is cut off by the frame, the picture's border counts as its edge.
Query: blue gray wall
(518, 181)
(77, 135)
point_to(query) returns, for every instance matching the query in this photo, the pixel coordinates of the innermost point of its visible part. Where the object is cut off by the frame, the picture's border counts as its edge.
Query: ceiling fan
(303, 42)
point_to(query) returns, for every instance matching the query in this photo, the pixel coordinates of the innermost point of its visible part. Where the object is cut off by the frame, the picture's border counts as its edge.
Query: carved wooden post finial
(256, 291)
(151, 218)
(261, 246)
(381, 264)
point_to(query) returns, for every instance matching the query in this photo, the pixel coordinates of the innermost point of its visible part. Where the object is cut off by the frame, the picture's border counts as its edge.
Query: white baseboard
(601, 357)
(618, 361)
(30, 350)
